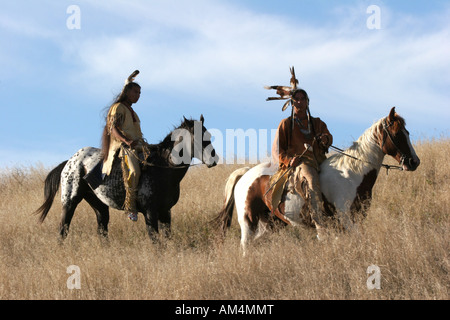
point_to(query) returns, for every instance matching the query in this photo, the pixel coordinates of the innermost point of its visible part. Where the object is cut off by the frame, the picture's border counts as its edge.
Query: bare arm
(119, 136)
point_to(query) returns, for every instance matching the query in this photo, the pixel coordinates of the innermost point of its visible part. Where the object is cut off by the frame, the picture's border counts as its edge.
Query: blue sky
(213, 57)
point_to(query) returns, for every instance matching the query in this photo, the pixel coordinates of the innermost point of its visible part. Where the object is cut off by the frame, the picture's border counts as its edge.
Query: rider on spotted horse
(122, 138)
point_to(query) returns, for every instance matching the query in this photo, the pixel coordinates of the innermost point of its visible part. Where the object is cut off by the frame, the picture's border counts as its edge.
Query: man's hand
(324, 140)
(119, 136)
(132, 143)
(295, 161)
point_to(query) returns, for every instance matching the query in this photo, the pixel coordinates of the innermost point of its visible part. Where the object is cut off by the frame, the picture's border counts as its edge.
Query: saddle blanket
(95, 177)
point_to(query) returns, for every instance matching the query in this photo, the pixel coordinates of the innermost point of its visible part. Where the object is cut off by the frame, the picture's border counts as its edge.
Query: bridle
(386, 125)
(145, 163)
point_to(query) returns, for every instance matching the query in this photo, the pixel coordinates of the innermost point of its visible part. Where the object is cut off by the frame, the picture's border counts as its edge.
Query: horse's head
(394, 141)
(192, 140)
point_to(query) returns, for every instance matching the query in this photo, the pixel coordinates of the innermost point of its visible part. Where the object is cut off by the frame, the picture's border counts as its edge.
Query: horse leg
(343, 213)
(253, 219)
(67, 215)
(101, 211)
(151, 221)
(247, 235)
(263, 226)
(345, 220)
(166, 221)
(248, 211)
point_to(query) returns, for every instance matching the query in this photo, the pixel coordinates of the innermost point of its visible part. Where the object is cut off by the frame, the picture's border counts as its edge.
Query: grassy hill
(406, 234)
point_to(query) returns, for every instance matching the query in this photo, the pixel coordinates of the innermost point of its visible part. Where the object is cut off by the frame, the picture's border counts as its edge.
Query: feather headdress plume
(285, 92)
(288, 93)
(131, 77)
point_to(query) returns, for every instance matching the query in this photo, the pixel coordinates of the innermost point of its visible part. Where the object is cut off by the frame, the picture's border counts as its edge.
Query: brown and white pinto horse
(346, 183)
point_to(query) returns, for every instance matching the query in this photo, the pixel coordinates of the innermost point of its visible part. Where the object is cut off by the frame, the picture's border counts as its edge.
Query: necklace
(305, 130)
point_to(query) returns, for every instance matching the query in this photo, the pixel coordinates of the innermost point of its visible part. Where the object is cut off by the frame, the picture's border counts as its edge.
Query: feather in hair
(132, 77)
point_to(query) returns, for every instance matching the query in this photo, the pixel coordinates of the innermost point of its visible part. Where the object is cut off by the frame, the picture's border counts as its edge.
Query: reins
(146, 163)
(386, 166)
(169, 167)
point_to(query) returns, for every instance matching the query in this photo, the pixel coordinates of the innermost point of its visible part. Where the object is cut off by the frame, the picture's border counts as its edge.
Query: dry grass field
(406, 234)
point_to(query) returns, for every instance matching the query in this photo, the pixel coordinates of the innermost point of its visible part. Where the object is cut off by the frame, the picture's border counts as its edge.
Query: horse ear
(202, 119)
(392, 115)
(184, 119)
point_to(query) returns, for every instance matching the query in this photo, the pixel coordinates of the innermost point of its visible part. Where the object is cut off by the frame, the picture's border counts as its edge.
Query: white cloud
(223, 46)
(214, 47)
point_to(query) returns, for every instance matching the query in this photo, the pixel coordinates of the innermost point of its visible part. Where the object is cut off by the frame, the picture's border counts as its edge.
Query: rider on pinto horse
(294, 134)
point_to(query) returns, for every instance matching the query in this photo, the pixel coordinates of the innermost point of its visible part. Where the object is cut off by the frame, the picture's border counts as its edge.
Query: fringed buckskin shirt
(128, 123)
(286, 146)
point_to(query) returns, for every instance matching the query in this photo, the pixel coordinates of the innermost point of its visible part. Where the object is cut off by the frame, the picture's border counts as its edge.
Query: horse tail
(223, 220)
(52, 183)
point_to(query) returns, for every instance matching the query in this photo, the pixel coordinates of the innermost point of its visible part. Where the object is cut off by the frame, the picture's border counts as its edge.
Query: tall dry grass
(405, 234)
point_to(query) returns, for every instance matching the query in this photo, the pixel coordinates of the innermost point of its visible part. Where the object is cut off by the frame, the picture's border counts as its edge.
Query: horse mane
(366, 149)
(167, 141)
(159, 152)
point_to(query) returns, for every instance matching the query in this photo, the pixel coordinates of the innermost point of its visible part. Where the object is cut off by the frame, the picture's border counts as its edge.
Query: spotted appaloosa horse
(346, 183)
(159, 185)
